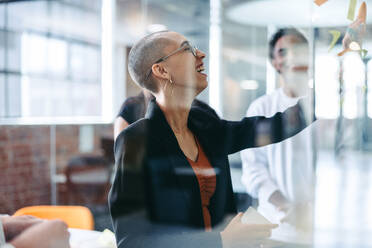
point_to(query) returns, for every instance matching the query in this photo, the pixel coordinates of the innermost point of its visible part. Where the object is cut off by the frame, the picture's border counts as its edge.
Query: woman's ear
(159, 71)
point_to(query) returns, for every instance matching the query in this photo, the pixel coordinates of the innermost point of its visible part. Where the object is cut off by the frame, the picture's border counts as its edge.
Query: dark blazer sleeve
(130, 157)
(260, 131)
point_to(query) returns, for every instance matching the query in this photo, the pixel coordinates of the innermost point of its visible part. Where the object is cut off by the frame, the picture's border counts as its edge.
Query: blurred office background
(63, 78)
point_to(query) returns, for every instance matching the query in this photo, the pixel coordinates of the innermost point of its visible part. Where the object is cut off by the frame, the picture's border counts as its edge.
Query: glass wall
(262, 57)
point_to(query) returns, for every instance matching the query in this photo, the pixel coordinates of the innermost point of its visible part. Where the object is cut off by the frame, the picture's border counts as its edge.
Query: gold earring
(165, 86)
(171, 82)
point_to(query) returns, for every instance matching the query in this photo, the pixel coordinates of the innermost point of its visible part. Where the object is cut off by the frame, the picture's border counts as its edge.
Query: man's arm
(260, 131)
(48, 234)
(14, 225)
(256, 177)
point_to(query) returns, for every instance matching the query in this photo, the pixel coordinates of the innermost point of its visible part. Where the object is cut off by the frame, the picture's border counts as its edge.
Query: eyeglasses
(186, 46)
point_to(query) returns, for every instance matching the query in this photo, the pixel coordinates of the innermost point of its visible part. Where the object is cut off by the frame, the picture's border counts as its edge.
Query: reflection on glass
(25, 15)
(57, 57)
(369, 85)
(2, 95)
(327, 97)
(34, 53)
(13, 58)
(14, 95)
(85, 63)
(353, 84)
(2, 49)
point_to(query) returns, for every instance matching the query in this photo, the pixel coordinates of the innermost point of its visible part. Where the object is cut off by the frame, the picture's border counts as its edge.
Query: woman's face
(185, 69)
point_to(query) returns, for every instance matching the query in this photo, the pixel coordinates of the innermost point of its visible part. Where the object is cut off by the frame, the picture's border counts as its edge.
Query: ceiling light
(249, 84)
(156, 28)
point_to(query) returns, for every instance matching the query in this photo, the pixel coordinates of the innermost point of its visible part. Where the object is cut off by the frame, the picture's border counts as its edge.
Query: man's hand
(14, 225)
(279, 201)
(299, 215)
(237, 234)
(49, 234)
(355, 32)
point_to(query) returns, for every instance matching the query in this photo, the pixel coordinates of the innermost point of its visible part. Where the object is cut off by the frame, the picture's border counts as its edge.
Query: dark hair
(283, 32)
(142, 56)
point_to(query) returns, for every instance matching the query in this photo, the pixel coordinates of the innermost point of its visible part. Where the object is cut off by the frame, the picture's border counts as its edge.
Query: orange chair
(74, 216)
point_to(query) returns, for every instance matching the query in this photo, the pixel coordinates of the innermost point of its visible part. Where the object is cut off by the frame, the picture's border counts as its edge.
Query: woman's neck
(176, 112)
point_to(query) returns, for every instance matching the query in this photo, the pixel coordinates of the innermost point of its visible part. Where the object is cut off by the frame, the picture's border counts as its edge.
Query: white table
(80, 238)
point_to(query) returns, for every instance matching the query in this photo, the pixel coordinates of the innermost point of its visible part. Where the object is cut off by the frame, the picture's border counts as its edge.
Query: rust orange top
(207, 183)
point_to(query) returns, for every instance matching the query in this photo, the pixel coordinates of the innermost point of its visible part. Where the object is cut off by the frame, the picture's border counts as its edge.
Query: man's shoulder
(267, 97)
(263, 104)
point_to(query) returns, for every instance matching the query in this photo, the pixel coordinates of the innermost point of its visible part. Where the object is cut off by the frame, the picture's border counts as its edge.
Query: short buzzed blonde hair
(143, 55)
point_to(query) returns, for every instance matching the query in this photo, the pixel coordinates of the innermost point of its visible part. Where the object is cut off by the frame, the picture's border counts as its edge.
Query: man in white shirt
(281, 175)
(31, 232)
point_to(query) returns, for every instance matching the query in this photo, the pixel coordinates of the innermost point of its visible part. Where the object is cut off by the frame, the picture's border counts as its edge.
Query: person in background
(133, 109)
(182, 154)
(281, 175)
(31, 232)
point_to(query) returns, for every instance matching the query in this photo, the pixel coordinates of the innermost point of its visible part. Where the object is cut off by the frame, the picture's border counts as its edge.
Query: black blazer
(167, 185)
(134, 108)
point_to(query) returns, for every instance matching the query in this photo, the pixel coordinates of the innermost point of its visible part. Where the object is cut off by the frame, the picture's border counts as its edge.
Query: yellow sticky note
(336, 35)
(319, 2)
(351, 12)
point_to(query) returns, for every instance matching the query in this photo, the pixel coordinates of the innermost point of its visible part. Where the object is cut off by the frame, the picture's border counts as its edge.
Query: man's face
(291, 60)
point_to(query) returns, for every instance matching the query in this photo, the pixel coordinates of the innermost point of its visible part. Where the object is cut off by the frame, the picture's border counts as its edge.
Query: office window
(369, 88)
(2, 95)
(14, 95)
(2, 49)
(85, 63)
(51, 66)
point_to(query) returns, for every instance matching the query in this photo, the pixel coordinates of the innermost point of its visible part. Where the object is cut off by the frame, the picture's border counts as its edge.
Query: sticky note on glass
(107, 239)
(354, 46)
(336, 35)
(343, 52)
(251, 216)
(364, 53)
(362, 13)
(320, 2)
(351, 12)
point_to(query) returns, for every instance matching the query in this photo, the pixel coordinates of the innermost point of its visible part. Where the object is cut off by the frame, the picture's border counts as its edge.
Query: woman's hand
(355, 32)
(237, 234)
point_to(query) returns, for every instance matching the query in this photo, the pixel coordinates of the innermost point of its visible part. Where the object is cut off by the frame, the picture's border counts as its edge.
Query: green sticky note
(336, 35)
(364, 53)
(351, 12)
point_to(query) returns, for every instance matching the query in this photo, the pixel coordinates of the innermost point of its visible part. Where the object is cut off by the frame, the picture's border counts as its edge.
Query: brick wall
(25, 159)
